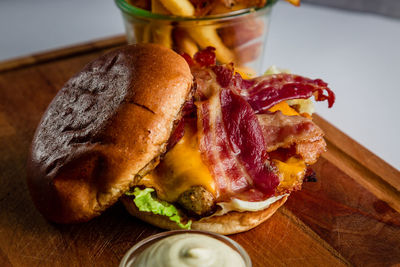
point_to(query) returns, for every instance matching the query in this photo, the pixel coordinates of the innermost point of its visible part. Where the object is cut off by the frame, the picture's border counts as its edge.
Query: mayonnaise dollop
(189, 250)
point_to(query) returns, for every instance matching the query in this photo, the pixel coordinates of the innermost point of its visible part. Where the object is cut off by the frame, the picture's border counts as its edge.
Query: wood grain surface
(347, 217)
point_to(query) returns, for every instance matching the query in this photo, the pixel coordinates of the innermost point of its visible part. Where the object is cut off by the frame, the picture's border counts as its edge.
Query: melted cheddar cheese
(182, 167)
(291, 173)
(284, 108)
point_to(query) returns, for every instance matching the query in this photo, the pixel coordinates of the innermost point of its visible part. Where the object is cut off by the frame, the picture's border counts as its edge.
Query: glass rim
(242, 252)
(124, 6)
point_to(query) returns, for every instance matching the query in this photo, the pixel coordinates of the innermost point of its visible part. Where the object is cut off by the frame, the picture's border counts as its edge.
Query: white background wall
(357, 54)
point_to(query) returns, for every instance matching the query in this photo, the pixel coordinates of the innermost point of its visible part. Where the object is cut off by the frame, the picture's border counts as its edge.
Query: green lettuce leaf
(145, 201)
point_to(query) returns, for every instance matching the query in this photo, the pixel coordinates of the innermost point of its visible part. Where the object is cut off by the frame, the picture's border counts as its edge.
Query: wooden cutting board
(348, 217)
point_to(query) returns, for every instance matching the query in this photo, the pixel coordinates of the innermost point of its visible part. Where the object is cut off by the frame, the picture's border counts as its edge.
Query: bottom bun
(230, 223)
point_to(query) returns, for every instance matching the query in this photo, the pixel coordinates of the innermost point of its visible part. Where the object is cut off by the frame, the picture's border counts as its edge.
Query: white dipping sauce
(189, 250)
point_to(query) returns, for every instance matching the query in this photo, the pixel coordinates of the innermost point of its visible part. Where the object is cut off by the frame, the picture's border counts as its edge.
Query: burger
(182, 142)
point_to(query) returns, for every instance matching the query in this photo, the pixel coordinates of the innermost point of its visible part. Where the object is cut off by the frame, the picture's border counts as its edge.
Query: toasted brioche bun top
(108, 123)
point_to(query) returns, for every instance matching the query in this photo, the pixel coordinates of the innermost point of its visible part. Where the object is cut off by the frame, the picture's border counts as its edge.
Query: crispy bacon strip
(265, 91)
(310, 151)
(177, 134)
(247, 141)
(215, 149)
(232, 145)
(282, 131)
(269, 90)
(188, 114)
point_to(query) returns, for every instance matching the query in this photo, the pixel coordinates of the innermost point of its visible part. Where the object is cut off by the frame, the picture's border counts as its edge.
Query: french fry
(203, 35)
(179, 7)
(184, 43)
(203, 7)
(146, 37)
(251, 3)
(220, 8)
(142, 33)
(158, 8)
(161, 33)
(207, 36)
(137, 30)
(294, 2)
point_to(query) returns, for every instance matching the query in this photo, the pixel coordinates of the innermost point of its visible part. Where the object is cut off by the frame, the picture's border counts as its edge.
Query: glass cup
(130, 256)
(238, 36)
